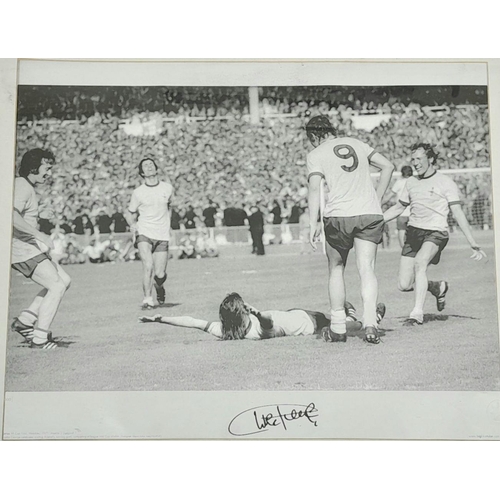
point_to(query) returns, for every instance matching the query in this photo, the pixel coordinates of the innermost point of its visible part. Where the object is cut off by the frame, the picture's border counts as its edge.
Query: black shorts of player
(318, 319)
(27, 268)
(402, 223)
(156, 245)
(415, 238)
(341, 231)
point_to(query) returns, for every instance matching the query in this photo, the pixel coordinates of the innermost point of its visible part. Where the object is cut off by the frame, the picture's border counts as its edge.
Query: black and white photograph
(253, 238)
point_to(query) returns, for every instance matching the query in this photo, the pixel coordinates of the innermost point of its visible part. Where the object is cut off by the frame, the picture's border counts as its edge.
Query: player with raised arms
(352, 217)
(240, 321)
(430, 195)
(149, 219)
(30, 259)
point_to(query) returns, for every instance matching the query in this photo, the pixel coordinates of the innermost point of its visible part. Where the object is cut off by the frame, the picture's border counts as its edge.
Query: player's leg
(47, 276)
(401, 237)
(29, 316)
(160, 262)
(422, 260)
(406, 275)
(146, 255)
(336, 291)
(366, 253)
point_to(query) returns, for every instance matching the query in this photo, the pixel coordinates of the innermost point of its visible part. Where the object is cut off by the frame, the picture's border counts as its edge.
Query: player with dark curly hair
(30, 255)
(430, 195)
(239, 321)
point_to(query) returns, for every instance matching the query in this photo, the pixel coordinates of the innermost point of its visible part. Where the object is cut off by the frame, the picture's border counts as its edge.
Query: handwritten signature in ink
(264, 418)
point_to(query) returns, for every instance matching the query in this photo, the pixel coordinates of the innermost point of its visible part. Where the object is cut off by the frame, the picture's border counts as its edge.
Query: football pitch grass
(108, 350)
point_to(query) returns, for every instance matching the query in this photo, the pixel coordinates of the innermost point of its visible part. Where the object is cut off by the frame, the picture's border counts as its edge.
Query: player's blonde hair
(232, 314)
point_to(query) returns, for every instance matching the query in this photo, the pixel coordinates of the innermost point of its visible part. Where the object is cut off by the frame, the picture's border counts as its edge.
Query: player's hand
(477, 254)
(314, 236)
(46, 240)
(150, 319)
(250, 309)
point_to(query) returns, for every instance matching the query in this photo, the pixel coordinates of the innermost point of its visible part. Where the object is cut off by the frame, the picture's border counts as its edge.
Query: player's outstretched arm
(394, 212)
(20, 224)
(463, 223)
(182, 321)
(386, 170)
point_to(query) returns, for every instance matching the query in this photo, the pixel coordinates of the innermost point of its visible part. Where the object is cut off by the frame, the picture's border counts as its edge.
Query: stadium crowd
(222, 168)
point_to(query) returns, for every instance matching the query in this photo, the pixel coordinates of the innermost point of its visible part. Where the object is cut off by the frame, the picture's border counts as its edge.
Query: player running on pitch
(352, 217)
(28, 257)
(240, 321)
(149, 219)
(430, 196)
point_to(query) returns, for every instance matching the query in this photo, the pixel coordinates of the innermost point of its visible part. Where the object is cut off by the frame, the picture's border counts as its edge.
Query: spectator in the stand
(83, 225)
(276, 211)
(256, 223)
(209, 214)
(190, 218)
(104, 221)
(175, 220)
(235, 215)
(119, 223)
(295, 214)
(45, 226)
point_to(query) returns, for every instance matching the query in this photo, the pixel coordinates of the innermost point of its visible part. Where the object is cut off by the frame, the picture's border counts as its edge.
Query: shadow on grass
(60, 344)
(360, 334)
(429, 318)
(168, 305)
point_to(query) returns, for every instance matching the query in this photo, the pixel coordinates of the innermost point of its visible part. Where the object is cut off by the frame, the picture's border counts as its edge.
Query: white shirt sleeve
(134, 203)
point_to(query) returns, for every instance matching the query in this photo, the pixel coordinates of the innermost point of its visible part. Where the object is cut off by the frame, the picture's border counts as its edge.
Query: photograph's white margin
(196, 415)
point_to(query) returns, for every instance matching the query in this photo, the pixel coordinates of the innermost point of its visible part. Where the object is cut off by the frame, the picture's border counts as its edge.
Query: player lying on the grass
(239, 320)
(430, 196)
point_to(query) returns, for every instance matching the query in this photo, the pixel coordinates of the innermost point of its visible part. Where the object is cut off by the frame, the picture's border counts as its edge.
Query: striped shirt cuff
(404, 203)
(18, 211)
(371, 154)
(454, 203)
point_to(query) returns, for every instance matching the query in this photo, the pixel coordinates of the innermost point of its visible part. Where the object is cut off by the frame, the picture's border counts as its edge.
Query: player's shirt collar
(29, 182)
(152, 185)
(428, 177)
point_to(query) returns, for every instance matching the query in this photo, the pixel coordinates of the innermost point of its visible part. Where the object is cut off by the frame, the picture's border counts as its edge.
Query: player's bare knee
(66, 279)
(57, 286)
(366, 269)
(405, 286)
(421, 264)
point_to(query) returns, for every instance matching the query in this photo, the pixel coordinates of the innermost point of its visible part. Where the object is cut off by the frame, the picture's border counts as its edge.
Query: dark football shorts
(402, 223)
(318, 319)
(415, 238)
(27, 268)
(341, 231)
(156, 245)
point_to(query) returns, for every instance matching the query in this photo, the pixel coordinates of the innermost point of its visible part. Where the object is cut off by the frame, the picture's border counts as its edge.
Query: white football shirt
(430, 200)
(288, 323)
(25, 246)
(152, 205)
(344, 164)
